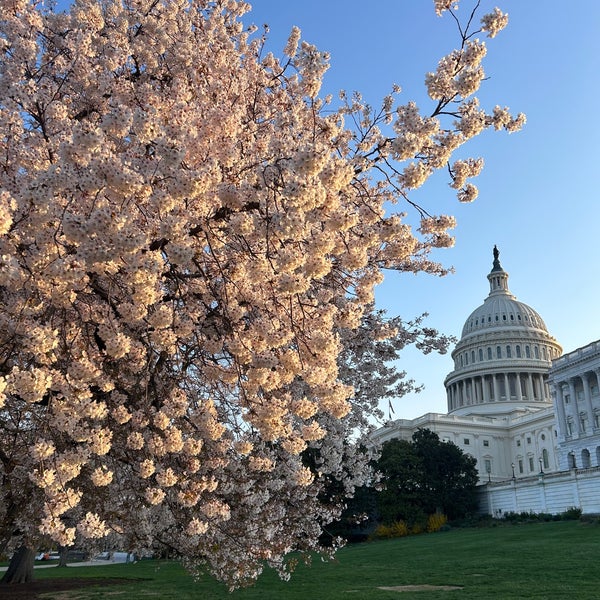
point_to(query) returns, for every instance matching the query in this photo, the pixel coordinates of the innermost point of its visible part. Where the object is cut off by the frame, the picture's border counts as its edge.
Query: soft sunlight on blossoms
(190, 239)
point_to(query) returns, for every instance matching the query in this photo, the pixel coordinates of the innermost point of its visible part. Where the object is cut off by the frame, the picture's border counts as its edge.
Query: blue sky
(539, 189)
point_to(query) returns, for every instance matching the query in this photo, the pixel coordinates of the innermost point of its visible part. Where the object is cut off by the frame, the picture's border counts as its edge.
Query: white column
(575, 407)
(530, 394)
(485, 389)
(506, 387)
(496, 388)
(587, 393)
(518, 391)
(559, 407)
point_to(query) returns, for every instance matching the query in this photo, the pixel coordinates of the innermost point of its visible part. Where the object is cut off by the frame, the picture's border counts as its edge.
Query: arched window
(498, 352)
(508, 352)
(489, 351)
(545, 460)
(480, 354)
(571, 460)
(527, 352)
(472, 356)
(544, 352)
(518, 349)
(536, 351)
(586, 463)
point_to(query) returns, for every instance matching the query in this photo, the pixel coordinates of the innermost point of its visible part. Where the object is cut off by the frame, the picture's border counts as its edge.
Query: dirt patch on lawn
(35, 589)
(421, 588)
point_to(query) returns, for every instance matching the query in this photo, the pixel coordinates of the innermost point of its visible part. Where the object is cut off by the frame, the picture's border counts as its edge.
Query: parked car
(48, 555)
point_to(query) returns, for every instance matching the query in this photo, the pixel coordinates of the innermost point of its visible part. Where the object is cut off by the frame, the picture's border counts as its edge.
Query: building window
(536, 351)
(518, 443)
(488, 465)
(529, 440)
(544, 352)
(508, 352)
(569, 427)
(489, 354)
(498, 352)
(472, 356)
(480, 354)
(486, 443)
(567, 399)
(545, 459)
(527, 352)
(582, 420)
(520, 465)
(543, 436)
(596, 420)
(518, 349)
(531, 464)
(466, 441)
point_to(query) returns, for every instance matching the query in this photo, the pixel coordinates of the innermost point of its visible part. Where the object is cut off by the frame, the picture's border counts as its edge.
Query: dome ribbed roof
(501, 310)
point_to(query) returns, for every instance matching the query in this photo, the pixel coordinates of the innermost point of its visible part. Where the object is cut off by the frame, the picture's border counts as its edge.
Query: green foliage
(571, 514)
(425, 476)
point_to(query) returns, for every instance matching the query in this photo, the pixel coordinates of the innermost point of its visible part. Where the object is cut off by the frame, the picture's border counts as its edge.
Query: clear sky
(539, 199)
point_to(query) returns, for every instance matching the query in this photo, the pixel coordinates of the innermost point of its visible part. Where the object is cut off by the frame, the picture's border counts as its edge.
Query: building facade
(529, 416)
(574, 379)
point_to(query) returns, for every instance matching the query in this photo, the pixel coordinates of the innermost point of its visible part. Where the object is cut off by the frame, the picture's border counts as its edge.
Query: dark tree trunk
(63, 552)
(20, 569)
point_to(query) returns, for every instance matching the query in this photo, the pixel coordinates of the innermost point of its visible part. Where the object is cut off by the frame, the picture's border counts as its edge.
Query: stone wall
(545, 493)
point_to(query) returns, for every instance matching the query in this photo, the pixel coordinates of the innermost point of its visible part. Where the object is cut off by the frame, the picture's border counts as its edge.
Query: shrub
(395, 530)
(399, 529)
(571, 514)
(435, 522)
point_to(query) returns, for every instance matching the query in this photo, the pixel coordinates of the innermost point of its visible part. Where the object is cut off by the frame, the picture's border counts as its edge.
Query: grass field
(556, 560)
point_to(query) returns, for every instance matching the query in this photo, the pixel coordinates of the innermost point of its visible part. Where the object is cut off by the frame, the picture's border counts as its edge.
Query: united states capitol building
(528, 413)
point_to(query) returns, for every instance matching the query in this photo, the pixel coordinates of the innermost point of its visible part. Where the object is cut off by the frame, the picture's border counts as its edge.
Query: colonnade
(496, 387)
(572, 422)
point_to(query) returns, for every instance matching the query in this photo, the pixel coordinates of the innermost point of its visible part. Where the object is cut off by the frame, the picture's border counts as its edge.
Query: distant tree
(186, 228)
(423, 476)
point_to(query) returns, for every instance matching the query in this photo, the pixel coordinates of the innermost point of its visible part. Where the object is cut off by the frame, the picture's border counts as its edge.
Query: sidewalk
(87, 563)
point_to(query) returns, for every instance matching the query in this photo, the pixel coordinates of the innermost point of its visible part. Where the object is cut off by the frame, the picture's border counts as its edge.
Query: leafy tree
(424, 476)
(185, 228)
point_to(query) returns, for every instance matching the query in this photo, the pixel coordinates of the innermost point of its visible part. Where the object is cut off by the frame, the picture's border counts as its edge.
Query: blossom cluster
(189, 243)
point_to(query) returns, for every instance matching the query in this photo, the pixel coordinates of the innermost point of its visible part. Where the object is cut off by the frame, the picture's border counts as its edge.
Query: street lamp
(513, 470)
(541, 466)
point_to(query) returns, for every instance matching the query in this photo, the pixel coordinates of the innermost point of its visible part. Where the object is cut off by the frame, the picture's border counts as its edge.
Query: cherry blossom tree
(186, 228)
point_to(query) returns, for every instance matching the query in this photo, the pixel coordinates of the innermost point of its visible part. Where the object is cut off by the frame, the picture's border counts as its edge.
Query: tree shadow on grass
(34, 589)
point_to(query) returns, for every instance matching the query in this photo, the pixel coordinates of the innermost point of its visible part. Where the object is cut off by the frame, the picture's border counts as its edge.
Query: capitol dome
(503, 356)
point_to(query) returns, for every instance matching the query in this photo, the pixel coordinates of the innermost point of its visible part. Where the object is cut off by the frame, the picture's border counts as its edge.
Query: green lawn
(556, 560)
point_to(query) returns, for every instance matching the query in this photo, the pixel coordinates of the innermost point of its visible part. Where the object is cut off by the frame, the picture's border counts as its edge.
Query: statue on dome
(497, 266)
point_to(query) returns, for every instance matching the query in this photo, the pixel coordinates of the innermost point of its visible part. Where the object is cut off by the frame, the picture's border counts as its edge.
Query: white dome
(502, 359)
(501, 312)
